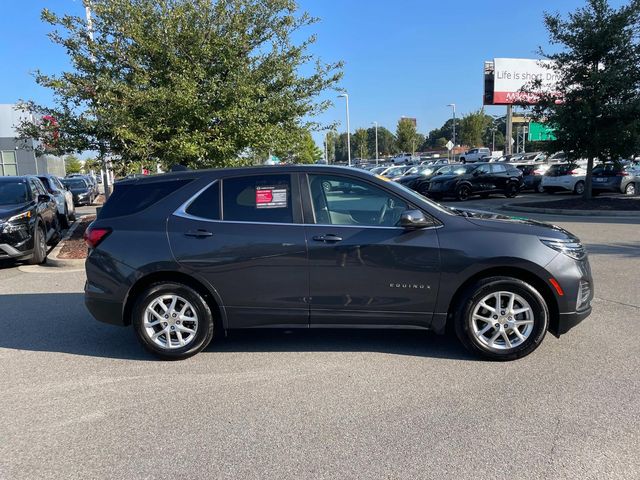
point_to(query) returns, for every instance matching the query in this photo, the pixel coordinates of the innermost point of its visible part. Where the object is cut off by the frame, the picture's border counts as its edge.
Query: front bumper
(567, 321)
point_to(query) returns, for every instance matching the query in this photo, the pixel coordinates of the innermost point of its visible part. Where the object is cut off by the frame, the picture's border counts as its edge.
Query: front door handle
(330, 237)
(198, 233)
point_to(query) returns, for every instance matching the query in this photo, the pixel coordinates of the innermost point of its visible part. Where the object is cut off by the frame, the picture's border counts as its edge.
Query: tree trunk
(588, 179)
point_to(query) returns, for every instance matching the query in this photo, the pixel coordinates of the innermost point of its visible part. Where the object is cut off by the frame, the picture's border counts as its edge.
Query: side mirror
(42, 198)
(414, 219)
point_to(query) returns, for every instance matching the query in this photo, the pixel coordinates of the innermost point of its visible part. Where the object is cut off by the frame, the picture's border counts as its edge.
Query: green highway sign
(539, 132)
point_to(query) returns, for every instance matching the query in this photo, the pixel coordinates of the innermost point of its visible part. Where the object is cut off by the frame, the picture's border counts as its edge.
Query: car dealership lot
(81, 399)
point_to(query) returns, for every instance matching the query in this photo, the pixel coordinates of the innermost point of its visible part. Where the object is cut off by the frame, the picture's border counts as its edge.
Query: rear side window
(207, 205)
(257, 198)
(133, 198)
(497, 168)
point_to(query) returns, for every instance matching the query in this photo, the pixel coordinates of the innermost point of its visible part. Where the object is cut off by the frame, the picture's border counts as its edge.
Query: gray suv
(186, 256)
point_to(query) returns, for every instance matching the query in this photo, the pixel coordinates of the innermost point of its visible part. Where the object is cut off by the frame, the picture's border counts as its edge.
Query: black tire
(578, 188)
(72, 217)
(57, 232)
(486, 286)
(64, 219)
(540, 188)
(511, 190)
(39, 255)
(204, 330)
(463, 192)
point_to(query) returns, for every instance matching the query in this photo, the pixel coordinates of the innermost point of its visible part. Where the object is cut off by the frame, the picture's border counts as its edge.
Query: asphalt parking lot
(82, 400)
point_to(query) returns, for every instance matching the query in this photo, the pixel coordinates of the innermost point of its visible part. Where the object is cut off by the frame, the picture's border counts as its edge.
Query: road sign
(540, 132)
(449, 145)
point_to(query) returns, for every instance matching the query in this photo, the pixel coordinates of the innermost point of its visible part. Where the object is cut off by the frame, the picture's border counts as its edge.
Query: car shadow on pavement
(628, 249)
(59, 322)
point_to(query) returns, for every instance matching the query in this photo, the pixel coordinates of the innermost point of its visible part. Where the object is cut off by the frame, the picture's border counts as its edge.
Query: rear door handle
(330, 237)
(198, 233)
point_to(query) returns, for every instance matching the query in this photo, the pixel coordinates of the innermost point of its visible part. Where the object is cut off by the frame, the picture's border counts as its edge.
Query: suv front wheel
(172, 320)
(501, 318)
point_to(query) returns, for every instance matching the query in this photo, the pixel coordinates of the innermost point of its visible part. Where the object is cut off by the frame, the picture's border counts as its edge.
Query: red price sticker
(264, 196)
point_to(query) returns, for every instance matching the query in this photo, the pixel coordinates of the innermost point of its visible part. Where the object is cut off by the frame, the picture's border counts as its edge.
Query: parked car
(420, 183)
(614, 177)
(90, 179)
(564, 176)
(403, 158)
(532, 176)
(28, 219)
(481, 179)
(176, 257)
(63, 198)
(394, 172)
(533, 157)
(475, 155)
(81, 190)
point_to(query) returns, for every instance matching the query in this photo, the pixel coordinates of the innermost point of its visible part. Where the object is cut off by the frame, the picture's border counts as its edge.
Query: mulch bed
(578, 203)
(75, 247)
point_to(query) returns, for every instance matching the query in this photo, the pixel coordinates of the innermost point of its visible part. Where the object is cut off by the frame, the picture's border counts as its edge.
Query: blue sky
(402, 57)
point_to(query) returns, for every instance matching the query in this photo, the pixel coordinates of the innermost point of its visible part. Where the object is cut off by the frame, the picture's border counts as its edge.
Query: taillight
(574, 172)
(538, 172)
(93, 236)
(622, 174)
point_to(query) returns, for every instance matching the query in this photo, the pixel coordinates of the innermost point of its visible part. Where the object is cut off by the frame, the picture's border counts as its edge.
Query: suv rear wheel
(578, 189)
(172, 320)
(501, 318)
(463, 192)
(511, 190)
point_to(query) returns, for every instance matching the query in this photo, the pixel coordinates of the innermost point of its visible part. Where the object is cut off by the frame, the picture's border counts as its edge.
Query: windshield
(74, 183)
(377, 170)
(419, 170)
(13, 192)
(455, 169)
(393, 171)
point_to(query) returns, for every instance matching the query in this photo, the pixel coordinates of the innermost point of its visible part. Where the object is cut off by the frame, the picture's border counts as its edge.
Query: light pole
(493, 141)
(376, 124)
(346, 97)
(453, 105)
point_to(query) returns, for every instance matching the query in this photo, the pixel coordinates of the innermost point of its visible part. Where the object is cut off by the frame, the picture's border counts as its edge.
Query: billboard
(511, 75)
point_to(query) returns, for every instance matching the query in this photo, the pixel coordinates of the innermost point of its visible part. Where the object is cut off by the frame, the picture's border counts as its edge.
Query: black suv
(28, 219)
(481, 179)
(183, 255)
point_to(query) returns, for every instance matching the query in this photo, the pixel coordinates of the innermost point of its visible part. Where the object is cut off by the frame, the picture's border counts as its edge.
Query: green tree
(472, 128)
(330, 139)
(597, 61)
(306, 150)
(197, 82)
(72, 164)
(406, 135)
(341, 147)
(359, 144)
(386, 142)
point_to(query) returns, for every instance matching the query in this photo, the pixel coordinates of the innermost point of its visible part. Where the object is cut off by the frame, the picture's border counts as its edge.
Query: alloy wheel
(631, 189)
(170, 322)
(502, 320)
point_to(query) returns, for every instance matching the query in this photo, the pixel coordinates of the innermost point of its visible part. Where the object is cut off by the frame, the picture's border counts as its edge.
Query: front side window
(257, 198)
(483, 169)
(346, 201)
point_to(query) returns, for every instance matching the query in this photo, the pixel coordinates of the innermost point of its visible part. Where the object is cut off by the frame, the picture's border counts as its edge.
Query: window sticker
(271, 197)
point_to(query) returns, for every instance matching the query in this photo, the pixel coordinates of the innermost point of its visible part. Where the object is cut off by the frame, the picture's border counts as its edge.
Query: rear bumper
(103, 310)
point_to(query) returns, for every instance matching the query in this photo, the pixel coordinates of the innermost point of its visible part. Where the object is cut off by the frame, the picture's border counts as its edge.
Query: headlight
(571, 248)
(20, 217)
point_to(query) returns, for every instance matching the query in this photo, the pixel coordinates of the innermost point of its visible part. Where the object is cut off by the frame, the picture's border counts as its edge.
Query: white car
(403, 158)
(475, 155)
(564, 176)
(63, 198)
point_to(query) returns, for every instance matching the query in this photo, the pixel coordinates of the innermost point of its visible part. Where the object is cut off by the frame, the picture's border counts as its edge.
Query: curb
(514, 207)
(52, 258)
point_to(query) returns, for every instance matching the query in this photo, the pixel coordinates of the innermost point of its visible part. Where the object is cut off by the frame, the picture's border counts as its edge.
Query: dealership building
(18, 157)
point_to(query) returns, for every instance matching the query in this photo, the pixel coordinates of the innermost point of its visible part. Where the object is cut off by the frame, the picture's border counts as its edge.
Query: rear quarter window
(128, 199)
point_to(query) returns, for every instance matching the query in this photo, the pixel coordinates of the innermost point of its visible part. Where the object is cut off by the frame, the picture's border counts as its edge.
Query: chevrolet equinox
(184, 256)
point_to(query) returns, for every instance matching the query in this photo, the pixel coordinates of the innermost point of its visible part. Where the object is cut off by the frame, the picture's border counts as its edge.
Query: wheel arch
(515, 272)
(210, 296)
